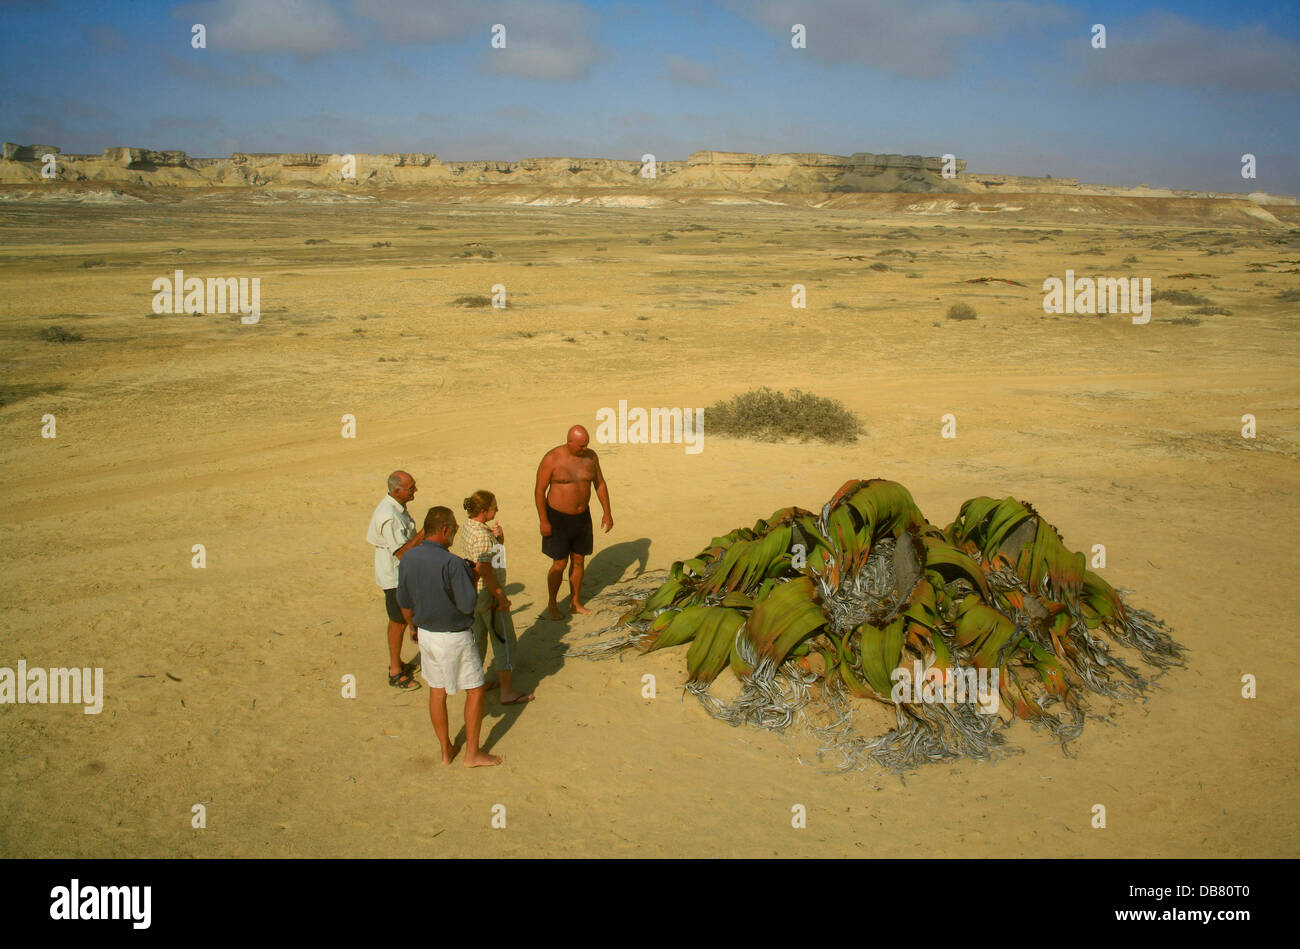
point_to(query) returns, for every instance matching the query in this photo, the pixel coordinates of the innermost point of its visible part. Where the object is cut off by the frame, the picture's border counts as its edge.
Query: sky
(1177, 96)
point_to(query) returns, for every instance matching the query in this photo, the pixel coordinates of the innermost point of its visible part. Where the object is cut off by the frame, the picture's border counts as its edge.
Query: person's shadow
(541, 650)
(609, 565)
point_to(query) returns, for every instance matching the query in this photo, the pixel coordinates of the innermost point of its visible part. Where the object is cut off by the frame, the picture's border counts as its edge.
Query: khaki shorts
(450, 661)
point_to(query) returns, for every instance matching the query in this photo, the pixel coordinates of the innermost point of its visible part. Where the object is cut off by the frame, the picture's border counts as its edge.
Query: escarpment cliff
(788, 174)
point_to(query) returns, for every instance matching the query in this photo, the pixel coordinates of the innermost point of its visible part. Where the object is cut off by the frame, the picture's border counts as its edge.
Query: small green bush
(961, 311)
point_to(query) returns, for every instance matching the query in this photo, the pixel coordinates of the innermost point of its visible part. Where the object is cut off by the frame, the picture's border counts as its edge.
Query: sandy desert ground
(223, 684)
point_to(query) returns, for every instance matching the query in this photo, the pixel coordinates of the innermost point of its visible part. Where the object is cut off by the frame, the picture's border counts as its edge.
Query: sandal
(404, 680)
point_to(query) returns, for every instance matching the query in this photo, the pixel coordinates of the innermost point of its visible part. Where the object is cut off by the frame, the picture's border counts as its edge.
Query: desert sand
(223, 684)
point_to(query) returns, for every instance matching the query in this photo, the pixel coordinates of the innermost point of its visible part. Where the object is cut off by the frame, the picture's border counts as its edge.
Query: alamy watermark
(936, 686)
(102, 902)
(53, 687)
(638, 426)
(182, 294)
(1098, 295)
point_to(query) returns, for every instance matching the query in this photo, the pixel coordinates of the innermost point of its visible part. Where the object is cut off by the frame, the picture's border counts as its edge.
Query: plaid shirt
(477, 544)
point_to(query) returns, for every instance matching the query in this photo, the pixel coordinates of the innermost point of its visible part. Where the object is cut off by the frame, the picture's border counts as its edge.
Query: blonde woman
(484, 545)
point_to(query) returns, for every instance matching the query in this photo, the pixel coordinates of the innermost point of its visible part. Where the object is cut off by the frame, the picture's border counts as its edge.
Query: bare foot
(578, 607)
(553, 612)
(481, 759)
(516, 698)
(448, 753)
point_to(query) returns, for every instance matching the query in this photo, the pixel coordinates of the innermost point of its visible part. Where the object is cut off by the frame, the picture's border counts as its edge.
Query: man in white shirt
(392, 533)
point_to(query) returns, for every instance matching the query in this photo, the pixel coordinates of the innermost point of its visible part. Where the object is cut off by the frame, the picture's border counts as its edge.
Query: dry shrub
(57, 334)
(768, 415)
(1180, 297)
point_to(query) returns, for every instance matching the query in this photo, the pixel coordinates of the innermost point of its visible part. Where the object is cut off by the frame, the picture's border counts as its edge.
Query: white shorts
(450, 661)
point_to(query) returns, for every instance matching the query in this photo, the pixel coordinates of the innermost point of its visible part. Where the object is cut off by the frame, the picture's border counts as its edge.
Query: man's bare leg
(474, 756)
(438, 715)
(554, 577)
(395, 631)
(575, 584)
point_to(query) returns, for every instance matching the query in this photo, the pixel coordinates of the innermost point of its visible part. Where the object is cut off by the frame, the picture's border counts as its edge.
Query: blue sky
(1180, 92)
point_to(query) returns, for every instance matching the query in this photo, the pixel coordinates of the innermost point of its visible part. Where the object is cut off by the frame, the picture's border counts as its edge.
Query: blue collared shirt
(437, 587)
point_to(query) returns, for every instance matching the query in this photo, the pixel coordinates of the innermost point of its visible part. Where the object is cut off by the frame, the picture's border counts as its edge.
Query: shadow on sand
(541, 650)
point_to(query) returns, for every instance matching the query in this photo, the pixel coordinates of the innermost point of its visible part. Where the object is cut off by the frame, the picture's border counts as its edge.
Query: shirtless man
(564, 480)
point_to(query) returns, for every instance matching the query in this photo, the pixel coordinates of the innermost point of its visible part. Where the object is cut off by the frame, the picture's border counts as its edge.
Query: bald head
(577, 439)
(401, 486)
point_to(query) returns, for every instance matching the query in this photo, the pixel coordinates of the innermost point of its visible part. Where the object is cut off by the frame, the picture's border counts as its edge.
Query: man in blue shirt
(435, 590)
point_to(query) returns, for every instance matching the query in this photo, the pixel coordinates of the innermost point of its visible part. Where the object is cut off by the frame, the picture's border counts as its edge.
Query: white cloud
(215, 72)
(305, 27)
(1169, 49)
(918, 39)
(420, 21)
(688, 72)
(545, 39)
